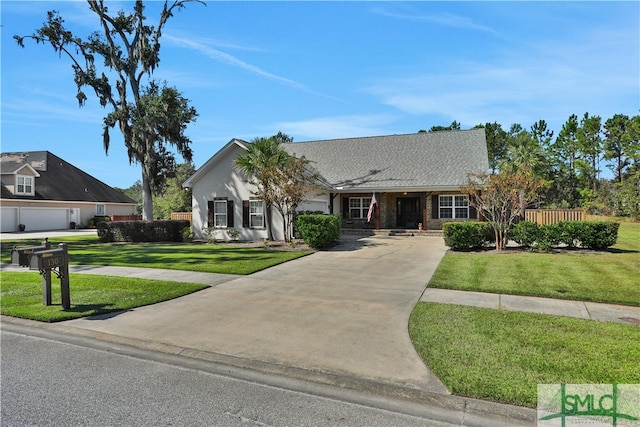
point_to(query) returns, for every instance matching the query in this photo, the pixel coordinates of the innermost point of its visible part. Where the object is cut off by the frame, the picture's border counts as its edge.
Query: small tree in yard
(290, 182)
(281, 180)
(263, 156)
(501, 197)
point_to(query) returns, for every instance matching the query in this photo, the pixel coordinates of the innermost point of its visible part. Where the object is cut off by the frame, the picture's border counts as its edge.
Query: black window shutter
(473, 214)
(245, 213)
(229, 213)
(435, 208)
(210, 213)
(345, 207)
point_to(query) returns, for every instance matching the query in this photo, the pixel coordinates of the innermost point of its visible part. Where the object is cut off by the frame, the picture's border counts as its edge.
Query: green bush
(141, 231)
(525, 233)
(319, 231)
(598, 234)
(463, 236)
(568, 232)
(549, 237)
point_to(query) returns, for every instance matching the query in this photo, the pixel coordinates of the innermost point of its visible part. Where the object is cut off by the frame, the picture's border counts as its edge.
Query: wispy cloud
(337, 126)
(445, 19)
(206, 49)
(546, 80)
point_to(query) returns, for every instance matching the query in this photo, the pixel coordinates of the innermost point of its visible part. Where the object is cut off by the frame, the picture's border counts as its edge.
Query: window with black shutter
(253, 214)
(220, 212)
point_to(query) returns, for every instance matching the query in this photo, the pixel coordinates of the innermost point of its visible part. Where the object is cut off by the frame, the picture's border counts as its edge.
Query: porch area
(401, 212)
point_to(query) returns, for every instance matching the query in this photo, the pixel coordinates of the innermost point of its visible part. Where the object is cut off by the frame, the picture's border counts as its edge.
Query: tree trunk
(147, 198)
(269, 216)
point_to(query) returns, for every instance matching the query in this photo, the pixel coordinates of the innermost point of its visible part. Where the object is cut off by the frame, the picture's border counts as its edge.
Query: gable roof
(215, 159)
(418, 161)
(59, 180)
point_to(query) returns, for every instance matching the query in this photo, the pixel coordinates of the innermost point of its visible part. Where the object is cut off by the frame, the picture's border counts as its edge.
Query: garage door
(9, 219)
(45, 218)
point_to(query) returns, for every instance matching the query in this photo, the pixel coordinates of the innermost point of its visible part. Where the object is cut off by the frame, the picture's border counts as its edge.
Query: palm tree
(262, 157)
(523, 155)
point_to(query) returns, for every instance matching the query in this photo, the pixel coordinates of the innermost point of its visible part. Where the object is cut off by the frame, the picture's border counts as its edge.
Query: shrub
(568, 232)
(319, 231)
(548, 237)
(463, 236)
(525, 233)
(598, 235)
(141, 231)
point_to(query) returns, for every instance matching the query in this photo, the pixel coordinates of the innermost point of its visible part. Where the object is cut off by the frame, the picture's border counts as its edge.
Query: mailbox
(47, 259)
(20, 256)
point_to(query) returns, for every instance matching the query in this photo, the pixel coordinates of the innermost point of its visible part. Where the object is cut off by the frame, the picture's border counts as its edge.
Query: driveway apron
(341, 312)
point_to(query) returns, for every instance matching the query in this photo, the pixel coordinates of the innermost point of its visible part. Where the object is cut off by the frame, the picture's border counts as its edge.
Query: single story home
(43, 192)
(415, 179)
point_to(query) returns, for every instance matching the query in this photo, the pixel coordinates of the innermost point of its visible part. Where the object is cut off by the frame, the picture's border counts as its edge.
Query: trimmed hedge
(464, 236)
(596, 235)
(141, 231)
(319, 231)
(525, 233)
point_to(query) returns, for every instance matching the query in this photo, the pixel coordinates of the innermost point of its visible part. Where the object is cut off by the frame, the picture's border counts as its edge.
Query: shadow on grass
(622, 251)
(93, 311)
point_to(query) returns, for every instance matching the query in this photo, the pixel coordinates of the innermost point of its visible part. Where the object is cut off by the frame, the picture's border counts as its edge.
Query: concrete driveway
(341, 313)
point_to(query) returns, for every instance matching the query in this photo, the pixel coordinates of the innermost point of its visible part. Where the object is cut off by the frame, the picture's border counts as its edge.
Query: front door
(408, 212)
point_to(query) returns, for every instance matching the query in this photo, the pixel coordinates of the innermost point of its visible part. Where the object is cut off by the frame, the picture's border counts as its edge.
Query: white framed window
(220, 213)
(24, 185)
(359, 207)
(101, 210)
(454, 206)
(256, 213)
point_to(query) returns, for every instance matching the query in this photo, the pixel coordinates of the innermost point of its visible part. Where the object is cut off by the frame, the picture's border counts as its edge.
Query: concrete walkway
(579, 309)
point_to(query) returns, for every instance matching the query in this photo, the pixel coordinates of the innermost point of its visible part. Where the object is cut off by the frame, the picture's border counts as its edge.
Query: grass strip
(21, 295)
(502, 356)
(225, 259)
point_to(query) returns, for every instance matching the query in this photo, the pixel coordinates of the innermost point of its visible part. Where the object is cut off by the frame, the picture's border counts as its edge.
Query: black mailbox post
(44, 259)
(20, 256)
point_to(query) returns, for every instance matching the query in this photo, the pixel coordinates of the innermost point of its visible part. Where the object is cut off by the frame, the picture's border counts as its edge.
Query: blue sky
(318, 70)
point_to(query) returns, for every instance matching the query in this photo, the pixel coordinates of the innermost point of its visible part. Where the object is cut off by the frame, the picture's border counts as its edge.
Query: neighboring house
(416, 179)
(44, 192)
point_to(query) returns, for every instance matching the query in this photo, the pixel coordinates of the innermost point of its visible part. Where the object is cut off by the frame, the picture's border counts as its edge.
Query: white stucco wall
(222, 180)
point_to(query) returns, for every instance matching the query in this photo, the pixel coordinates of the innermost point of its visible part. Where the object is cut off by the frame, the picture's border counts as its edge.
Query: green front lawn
(222, 258)
(503, 355)
(21, 295)
(610, 277)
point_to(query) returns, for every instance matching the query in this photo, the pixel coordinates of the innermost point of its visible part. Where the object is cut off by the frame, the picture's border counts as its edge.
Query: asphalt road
(54, 380)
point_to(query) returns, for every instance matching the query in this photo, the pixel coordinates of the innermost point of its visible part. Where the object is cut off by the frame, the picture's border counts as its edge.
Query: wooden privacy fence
(552, 216)
(181, 216)
(125, 217)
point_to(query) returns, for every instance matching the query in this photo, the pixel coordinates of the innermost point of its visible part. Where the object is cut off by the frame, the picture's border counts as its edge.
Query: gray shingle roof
(425, 160)
(59, 180)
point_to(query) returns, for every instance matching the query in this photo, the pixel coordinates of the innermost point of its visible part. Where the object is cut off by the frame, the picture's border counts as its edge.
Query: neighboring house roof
(424, 160)
(417, 161)
(57, 179)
